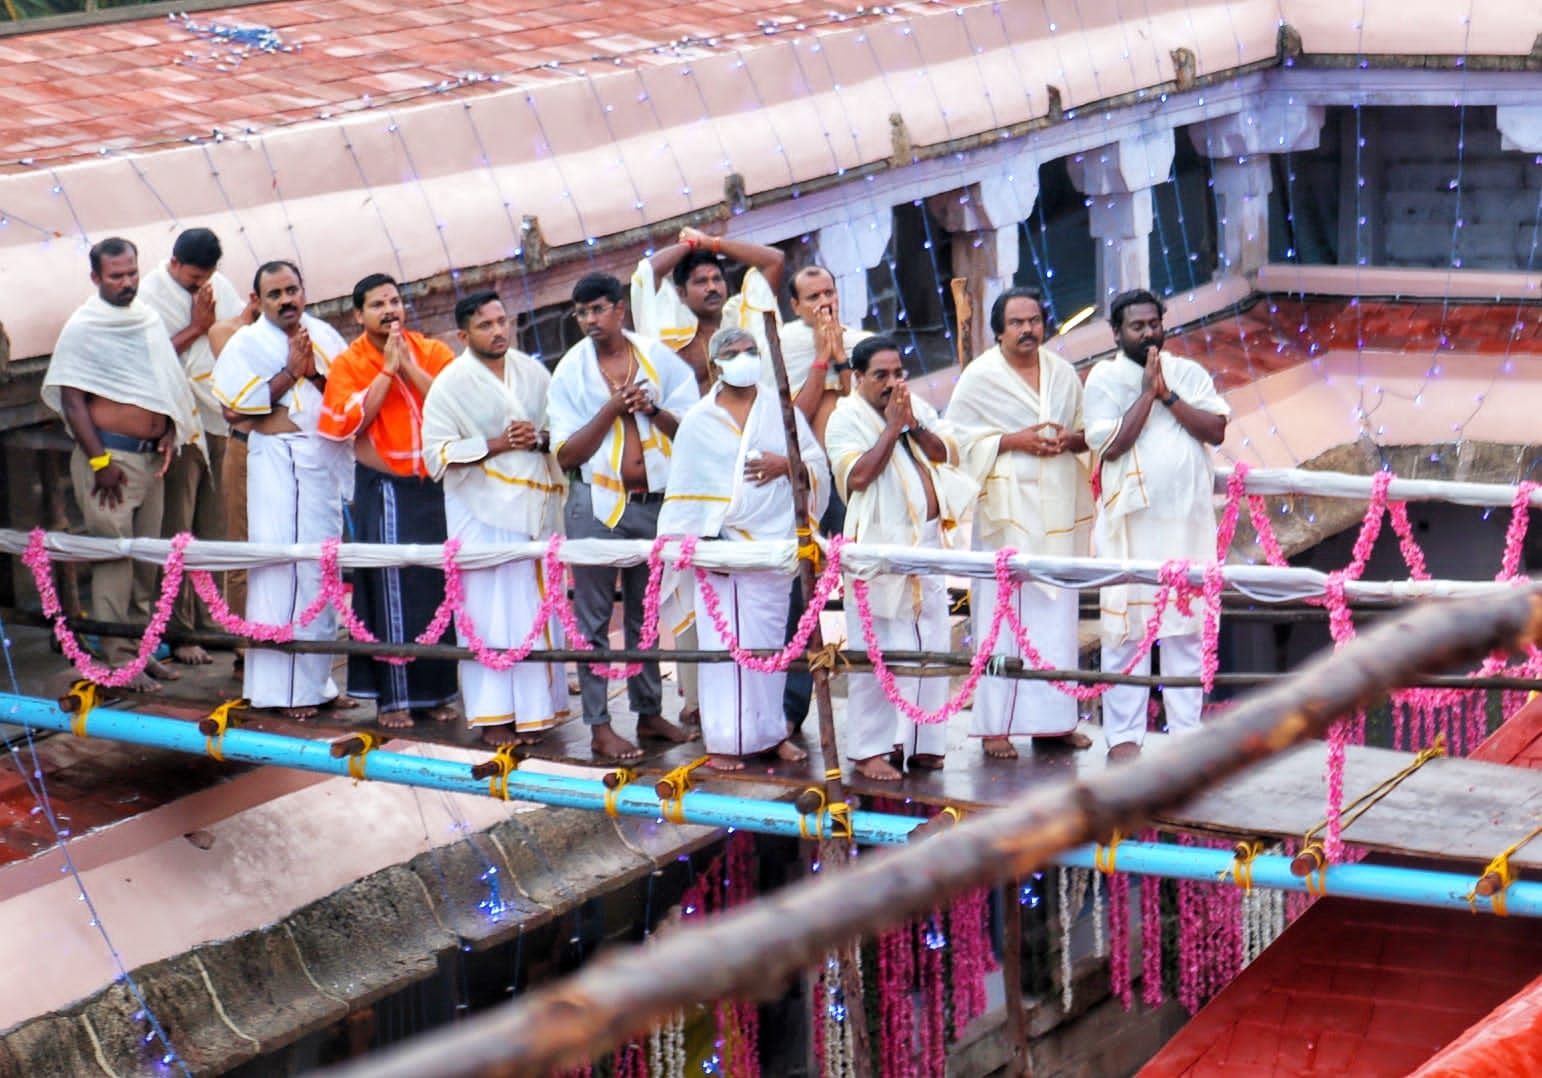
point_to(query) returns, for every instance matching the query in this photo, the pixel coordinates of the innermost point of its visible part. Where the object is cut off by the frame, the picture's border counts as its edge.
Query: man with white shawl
(1150, 419)
(191, 295)
(816, 348)
(897, 469)
(731, 480)
(680, 297)
(115, 379)
(485, 436)
(1019, 409)
(273, 372)
(616, 401)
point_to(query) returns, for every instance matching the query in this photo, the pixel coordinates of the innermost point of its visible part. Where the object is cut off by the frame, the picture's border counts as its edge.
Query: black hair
(198, 247)
(111, 247)
(368, 284)
(806, 271)
(687, 265)
(467, 307)
(869, 347)
(999, 308)
(273, 267)
(593, 286)
(1132, 298)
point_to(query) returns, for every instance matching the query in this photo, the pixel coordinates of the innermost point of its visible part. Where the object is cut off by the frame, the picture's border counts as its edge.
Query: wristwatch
(842, 365)
(1170, 399)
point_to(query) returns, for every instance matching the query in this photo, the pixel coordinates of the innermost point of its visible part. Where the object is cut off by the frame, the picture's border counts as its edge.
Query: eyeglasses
(592, 311)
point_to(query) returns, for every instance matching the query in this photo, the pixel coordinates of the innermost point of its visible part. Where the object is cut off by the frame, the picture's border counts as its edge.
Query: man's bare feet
(442, 713)
(574, 688)
(658, 728)
(926, 761)
(1073, 740)
(508, 735)
(878, 769)
(161, 672)
(789, 753)
(690, 716)
(1125, 750)
(725, 763)
(143, 682)
(999, 748)
(606, 744)
(395, 720)
(341, 702)
(298, 714)
(191, 655)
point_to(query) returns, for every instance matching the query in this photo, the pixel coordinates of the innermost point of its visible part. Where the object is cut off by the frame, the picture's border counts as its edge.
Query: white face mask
(741, 370)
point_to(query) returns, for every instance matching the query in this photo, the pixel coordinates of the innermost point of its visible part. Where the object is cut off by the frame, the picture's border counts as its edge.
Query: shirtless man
(616, 401)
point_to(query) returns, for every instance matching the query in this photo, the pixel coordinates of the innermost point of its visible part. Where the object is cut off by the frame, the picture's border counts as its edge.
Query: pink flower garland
(971, 957)
(896, 1011)
(36, 559)
(1119, 937)
(933, 1040)
(1151, 992)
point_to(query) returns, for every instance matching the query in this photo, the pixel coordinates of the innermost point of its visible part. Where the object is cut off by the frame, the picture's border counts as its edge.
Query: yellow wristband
(98, 463)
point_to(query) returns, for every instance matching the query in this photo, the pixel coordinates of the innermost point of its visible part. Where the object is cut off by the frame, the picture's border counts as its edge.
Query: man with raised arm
(1151, 419)
(897, 470)
(191, 296)
(272, 374)
(731, 480)
(374, 403)
(616, 401)
(485, 435)
(1018, 407)
(115, 379)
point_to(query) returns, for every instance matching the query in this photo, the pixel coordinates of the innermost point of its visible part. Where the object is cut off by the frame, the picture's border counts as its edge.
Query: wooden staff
(963, 306)
(758, 947)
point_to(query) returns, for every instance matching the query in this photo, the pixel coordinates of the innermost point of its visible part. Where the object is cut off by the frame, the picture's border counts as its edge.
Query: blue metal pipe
(1376, 882)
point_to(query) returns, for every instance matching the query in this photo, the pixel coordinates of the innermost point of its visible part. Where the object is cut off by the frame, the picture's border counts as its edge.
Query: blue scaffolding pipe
(1384, 883)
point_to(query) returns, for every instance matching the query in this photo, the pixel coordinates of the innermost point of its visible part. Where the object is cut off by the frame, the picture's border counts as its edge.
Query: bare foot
(161, 672)
(878, 769)
(442, 713)
(725, 763)
(658, 728)
(926, 761)
(1125, 750)
(691, 716)
(143, 682)
(789, 753)
(606, 744)
(507, 735)
(341, 702)
(1073, 740)
(298, 714)
(999, 748)
(191, 655)
(573, 686)
(395, 720)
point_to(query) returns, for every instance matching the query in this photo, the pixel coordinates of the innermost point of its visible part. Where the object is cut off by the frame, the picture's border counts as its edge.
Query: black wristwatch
(1170, 399)
(843, 365)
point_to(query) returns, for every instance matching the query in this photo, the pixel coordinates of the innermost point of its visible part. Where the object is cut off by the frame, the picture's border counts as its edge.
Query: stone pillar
(848, 250)
(1520, 128)
(1118, 179)
(1239, 146)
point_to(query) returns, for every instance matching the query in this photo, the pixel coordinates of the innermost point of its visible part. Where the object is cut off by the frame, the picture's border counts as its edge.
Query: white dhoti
(294, 490)
(741, 709)
(501, 601)
(1014, 707)
(874, 726)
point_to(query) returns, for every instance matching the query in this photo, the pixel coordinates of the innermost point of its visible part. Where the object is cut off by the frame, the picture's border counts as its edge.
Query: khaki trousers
(232, 488)
(193, 505)
(122, 590)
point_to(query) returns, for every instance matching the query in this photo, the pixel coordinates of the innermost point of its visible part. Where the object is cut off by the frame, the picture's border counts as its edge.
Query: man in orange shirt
(374, 396)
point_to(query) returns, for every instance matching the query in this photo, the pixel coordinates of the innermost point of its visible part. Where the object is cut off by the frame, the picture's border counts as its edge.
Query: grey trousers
(594, 602)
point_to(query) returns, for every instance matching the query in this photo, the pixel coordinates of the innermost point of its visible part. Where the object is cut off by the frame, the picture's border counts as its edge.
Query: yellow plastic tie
(358, 762)
(817, 816)
(1317, 878)
(953, 813)
(220, 717)
(1500, 866)
(832, 774)
(623, 776)
(808, 550)
(678, 781)
(84, 693)
(1241, 870)
(498, 784)
(1105, 858)
(840, 820)
(825, 658)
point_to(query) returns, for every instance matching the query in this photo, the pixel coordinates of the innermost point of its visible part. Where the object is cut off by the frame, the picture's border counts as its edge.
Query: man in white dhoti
(485, 436)
(897, 470)
(191, 295)
(1150, 418)
(115, 379)
(614, 405)
(1018, 408)
(680, 296)
(731, 480)
(274, 372)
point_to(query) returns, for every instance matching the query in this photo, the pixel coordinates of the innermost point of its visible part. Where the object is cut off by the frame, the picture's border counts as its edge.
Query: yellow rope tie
(84, 693)
(220, 717)
(1317, 875)
(358, 762)
(818, 816)
(825, 658)
(832, 774)
(840, 820)
(953, 813)
(621, 776)
(1105, 858)
(672, 789)
(1362, 804)
(1500, 875)
(1241, 870)
(507, 763)
(808, 550)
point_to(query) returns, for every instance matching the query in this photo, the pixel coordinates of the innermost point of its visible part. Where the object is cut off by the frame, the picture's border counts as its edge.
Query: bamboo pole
(760, 946)
(963, 307)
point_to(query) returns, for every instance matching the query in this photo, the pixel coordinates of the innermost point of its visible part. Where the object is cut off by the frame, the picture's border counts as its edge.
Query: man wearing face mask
(1151, 418)
(741, 709)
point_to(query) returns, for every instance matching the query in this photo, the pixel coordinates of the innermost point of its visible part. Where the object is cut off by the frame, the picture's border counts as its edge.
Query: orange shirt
(396, 432)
